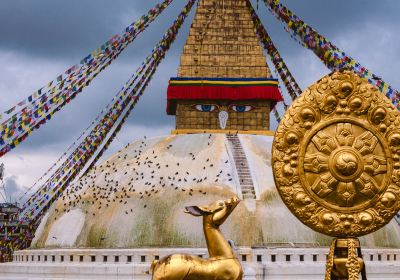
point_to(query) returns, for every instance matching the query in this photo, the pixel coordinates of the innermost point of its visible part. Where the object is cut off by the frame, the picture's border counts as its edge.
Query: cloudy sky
(41, 39)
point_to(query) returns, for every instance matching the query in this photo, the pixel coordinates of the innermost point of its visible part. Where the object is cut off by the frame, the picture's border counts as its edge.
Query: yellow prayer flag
(385, 87)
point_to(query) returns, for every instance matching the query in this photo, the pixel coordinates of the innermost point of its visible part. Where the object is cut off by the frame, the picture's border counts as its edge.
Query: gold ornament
(222, 263)
(336, 157)
(336, 164)
(329, 261)
(345, 260)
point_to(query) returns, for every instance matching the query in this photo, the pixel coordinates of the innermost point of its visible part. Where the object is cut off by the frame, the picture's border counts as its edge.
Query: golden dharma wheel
(336, 157)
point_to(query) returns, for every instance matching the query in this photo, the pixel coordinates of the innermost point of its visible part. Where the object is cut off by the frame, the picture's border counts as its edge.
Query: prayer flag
(10, 110)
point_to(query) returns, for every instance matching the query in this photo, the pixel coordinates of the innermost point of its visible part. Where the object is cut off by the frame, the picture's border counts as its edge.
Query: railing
(287, 244)
(245, 254)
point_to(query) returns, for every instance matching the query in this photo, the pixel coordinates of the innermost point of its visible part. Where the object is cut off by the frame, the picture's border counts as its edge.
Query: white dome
(136, 197)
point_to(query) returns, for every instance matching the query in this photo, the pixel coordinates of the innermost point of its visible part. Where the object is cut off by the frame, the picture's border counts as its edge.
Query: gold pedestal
(345, 260)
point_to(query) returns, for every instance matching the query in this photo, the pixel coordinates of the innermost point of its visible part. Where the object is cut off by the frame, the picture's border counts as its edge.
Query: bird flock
(144, 170)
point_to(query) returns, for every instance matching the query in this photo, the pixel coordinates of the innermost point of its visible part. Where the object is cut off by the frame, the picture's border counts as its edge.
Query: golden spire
(222, 43)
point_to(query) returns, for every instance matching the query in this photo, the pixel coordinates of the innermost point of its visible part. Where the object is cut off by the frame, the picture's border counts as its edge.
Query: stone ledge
(214, 131)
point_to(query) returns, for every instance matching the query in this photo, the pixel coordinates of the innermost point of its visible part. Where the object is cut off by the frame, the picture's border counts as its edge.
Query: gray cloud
(69, 29)
(12, 189)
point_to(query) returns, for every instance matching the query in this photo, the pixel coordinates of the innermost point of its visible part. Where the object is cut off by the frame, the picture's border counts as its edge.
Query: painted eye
(242, 108)
(221, 203)
(205, 107)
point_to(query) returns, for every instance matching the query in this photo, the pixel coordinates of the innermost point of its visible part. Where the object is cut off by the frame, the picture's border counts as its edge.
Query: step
(245, 177)
(248, 192)
(246, 181)
(242, 166)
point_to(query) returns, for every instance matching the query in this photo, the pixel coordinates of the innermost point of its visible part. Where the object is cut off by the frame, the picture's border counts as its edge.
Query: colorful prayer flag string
(38, 108)
(287, 78)
(37, 202)
(330, 55)
(110, 123)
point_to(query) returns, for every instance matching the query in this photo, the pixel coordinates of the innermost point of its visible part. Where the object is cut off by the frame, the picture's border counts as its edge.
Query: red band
(220, 93)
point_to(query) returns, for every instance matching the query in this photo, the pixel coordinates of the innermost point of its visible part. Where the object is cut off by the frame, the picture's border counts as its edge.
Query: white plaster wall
(385, 268)
(65, 230)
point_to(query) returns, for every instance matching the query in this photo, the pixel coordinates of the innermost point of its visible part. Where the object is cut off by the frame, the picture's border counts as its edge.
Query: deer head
(216, 212)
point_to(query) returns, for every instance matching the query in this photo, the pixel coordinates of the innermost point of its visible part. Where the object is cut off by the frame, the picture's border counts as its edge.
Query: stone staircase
(242, 167)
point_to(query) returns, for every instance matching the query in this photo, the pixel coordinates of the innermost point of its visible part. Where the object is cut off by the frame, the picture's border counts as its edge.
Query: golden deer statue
(222, 263)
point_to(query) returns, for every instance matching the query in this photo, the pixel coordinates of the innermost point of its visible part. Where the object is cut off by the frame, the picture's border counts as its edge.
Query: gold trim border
(222, 131)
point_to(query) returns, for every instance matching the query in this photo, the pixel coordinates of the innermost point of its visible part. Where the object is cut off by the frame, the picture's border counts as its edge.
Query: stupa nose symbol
(223, 119)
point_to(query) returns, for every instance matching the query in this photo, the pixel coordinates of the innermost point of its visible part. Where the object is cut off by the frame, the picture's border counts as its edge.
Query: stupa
(223, 80)
(128, 210)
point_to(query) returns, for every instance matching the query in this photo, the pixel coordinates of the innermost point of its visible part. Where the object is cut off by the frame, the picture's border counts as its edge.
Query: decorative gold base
(345, 260)
(199, 131)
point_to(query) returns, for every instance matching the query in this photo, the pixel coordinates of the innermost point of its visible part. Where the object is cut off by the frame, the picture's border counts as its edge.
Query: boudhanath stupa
(129, 209)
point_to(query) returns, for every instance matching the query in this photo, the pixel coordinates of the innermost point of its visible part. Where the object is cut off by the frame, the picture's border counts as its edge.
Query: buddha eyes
(206, 108)
(241, 108)
(212, 108)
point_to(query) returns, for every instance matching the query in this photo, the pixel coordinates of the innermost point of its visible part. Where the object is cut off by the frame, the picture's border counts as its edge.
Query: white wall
(258, 263)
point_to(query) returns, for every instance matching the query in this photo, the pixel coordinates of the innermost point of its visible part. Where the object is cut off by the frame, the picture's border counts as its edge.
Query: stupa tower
(223, 80)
